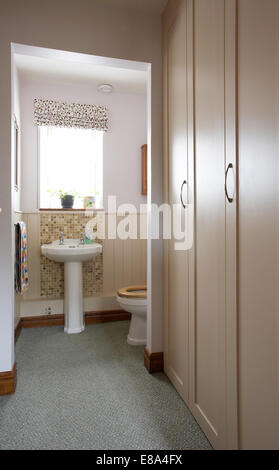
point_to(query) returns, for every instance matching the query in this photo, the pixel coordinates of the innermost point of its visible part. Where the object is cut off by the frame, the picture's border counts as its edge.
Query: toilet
(133, 299)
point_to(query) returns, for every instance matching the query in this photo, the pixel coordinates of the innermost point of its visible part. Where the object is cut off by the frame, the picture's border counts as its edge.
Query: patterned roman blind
(82, 116)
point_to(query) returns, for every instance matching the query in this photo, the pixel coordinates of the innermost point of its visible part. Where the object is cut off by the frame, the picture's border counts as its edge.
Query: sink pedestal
(73, 300)
(72, 253)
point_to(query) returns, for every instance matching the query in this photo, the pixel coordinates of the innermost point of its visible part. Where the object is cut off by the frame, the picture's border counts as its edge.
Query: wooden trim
(76, 211)
(18, 329)
(144, 170)
(90, 318)
(8, 382)
(60, 209)
(42, 320)
(153, 362)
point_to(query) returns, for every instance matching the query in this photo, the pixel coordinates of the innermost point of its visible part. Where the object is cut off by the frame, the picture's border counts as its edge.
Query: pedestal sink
(72, 253)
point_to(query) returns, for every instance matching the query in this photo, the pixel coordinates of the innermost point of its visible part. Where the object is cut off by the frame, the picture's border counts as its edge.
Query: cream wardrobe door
(176, 262)
(213, 259)
(259, 224)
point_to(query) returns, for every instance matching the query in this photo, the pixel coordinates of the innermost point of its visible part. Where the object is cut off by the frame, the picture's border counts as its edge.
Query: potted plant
(89, 202)
(67, 199)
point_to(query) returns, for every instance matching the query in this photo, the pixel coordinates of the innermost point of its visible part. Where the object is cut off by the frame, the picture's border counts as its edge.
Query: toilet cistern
(72, 253)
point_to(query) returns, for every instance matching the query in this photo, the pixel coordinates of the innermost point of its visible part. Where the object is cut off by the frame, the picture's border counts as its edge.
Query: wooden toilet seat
(133, 292)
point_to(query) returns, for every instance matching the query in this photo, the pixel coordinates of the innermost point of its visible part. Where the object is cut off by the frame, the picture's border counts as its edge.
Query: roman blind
(60, 114)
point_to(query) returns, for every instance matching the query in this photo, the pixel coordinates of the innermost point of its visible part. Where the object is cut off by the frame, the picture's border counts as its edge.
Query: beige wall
(92, 28)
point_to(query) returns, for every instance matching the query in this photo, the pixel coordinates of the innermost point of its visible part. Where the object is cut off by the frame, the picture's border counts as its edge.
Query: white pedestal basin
(72, 253)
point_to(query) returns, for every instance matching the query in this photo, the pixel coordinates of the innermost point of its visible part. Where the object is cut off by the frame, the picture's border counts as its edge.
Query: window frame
(39, 180)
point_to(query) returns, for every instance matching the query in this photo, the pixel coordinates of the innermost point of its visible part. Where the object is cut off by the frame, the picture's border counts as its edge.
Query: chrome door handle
(181, 198)
(230, 167)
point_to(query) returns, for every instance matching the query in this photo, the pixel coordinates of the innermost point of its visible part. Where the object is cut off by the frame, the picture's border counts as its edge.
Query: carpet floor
(91, 391)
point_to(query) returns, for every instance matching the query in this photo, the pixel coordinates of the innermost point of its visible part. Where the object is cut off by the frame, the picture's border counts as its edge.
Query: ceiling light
(105, 88)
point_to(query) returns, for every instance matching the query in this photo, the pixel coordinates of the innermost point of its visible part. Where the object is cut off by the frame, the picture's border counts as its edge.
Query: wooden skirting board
(42, 320)
(90, 318)
(18, 329)
(8, 382)
(153, 362)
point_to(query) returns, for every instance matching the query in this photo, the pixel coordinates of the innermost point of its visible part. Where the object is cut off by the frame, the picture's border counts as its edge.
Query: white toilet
(133, 299)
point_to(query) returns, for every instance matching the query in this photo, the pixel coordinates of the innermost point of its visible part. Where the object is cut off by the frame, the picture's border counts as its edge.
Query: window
(71, 162)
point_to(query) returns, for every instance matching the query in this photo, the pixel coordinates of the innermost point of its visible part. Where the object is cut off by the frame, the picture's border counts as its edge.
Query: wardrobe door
(212, 273)
(259, 224)
(176, 262)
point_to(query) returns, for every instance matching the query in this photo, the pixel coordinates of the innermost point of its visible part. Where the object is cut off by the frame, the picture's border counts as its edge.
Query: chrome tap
(61, 239)
(82, 238)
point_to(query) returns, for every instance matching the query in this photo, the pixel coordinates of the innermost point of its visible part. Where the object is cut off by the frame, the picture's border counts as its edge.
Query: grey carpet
(91, 391)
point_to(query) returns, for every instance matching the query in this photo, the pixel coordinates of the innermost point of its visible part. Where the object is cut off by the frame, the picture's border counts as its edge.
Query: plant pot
(89, 202)
(67, 202)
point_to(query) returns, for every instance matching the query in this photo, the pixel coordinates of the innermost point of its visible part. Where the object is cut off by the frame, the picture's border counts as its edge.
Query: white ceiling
(151, 6)
(122, 79)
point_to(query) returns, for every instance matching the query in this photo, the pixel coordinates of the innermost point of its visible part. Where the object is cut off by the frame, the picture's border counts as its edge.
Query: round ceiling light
(105, 88)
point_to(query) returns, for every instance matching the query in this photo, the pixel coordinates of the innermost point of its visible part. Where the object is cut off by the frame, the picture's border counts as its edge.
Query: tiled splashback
(52, 273)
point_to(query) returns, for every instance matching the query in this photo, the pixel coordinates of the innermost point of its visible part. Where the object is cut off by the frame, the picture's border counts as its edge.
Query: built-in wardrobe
(221, 157)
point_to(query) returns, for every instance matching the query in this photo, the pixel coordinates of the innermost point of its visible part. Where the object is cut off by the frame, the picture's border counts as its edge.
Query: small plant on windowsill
(67, 199)
(89, 202)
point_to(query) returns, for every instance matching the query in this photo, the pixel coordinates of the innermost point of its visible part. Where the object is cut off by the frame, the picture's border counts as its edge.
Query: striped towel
(21, 271)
